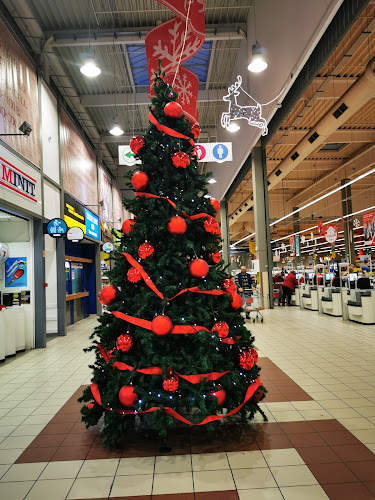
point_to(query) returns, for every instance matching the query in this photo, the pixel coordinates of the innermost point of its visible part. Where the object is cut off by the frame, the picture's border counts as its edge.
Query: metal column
(346, 197)
(296, 229)
(261, 218)
(39, 290)
(225, 231)
(61, 287)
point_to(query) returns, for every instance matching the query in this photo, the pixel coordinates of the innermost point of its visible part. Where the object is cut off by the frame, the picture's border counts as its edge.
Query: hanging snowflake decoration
(356, 223)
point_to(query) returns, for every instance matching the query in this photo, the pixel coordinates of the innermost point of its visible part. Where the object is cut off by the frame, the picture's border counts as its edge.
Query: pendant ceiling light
(258, 62)
(116, 128)
(233, 127)
(90, 67)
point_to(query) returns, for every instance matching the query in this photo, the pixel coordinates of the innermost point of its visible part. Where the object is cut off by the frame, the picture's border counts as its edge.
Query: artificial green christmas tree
(173, 347)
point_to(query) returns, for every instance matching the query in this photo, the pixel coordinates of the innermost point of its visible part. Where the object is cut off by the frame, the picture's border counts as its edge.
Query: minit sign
(18, 182)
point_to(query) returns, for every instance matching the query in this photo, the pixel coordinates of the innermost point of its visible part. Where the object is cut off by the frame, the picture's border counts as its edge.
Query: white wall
(50, 134)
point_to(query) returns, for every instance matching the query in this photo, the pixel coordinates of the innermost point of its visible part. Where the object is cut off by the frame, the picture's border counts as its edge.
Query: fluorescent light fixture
(233, 127)
(212, 180)
(90, 67)
(116, 129)
(258, 62)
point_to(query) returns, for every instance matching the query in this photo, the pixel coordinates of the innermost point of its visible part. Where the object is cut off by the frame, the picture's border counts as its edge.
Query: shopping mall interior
(241, 135)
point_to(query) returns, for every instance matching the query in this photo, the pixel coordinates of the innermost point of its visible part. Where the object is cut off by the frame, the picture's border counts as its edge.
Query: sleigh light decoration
(253, 114)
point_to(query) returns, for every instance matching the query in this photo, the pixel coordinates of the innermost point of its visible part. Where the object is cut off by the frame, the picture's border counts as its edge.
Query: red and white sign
(201, 150)
(369, 228)
(292, 246)
(331, 234)
(15, 180)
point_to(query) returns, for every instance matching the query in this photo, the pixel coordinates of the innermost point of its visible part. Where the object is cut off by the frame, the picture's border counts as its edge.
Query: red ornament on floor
(177, 225)
(127, 226)
(215, 204)
(257, 396)
(222, 329)
(246, 360)
(211, 226)
(219, 393)
(134, 275)
(90, 406)
(195, 130)
(107, 295)
(161, 325)
(254, 354)
(136, 144)
(180, 159)
(230, 286)
(124, 342)
(216, 257)
(173, 110)
(140, 181)
(199, 268)
(145, 250)
(127, 396)
(236, 302)
(170, 383)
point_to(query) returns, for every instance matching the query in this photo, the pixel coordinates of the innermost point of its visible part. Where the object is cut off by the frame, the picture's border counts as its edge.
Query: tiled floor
(318, 444)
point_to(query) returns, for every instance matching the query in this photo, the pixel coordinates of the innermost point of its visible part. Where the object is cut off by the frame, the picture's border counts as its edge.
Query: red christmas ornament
(236, 302)
(211, 226)
(136, 144)
(219, 393)
(127, 226)
(180, 159)
(90, 406)
(198, 268)
(215, 204)
(177, 225)
(107, 295)
(230, 286)
(254, 354)
(139, 180)
(246, 360)
(134, 275)
(195, 130)
(110, 354)
(173, 110)
(222, 329)
(257, 396)
(124, 342)
(127, 396)
(216, 257)
(161, 325)
(145, 250)
(170, 383)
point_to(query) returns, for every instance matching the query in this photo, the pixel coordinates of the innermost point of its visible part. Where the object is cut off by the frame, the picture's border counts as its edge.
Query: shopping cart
(254, 304)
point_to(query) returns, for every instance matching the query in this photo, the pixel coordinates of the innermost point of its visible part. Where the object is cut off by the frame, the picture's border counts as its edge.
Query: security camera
(25, 128)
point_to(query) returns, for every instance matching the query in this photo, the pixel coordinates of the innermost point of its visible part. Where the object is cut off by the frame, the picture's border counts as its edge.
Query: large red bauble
(177, 225)
(236, 302)
(170, 383)
(211, 226)
(139, 180)
(161, 325)
(215, 204)
(127, 226)
(219, 393)
(246, 360)
(257, 396)
(107, 295)
(180, 159)
(254, 354)
(173, 110)
(216, 257)
(195, 130)
(124, 342)
(222, 329)
(136, 144)
(127, 396)
(134, 275)
(230, 286)
(145, 250)
(198, 268)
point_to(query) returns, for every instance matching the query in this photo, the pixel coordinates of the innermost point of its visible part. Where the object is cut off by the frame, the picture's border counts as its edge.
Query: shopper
(289, 285)
(277, 284)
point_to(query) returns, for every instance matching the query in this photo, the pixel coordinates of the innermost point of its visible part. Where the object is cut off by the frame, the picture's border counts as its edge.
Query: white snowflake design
(182, 86)
(356, 223)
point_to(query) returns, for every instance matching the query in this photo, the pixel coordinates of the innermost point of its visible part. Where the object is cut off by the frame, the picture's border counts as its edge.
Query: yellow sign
(252, 247)
(333, 254)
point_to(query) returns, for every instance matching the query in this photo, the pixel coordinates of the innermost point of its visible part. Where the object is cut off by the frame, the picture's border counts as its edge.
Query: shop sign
(108, 247)
(369, 228)
(15, 180)
(252, 247)
(74, 234)
(74, 213)
(331, 234)
(92, 225)
(292, 246)
(57, 228)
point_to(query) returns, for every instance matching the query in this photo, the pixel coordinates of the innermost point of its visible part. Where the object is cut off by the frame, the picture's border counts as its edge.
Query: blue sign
(16, 272)
(92, 225)
(220, 152)
(57, 228)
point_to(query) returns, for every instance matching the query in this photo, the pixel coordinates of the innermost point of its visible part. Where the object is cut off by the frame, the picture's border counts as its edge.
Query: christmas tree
(172, 347)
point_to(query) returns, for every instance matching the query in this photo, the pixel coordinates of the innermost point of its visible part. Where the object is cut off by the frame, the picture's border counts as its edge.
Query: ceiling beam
(80, 38)
(139, 98)
(342, 135)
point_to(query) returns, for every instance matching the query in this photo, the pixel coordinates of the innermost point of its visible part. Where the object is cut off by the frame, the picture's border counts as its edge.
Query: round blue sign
(220, 152)
(57, 228)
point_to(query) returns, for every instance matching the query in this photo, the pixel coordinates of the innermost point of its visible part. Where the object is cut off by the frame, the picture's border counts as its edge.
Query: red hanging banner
(173, 43)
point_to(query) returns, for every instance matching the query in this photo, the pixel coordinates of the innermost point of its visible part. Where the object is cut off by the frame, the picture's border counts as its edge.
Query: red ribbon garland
(173, 204)
(170, 131)
(212, 418)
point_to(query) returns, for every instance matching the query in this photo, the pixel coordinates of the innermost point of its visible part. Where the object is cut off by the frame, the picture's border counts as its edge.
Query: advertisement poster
(92, 225)
(292, 246)
(297, 245)
(105, 196)
(331, 234)
(369, 228)
(16, 272)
